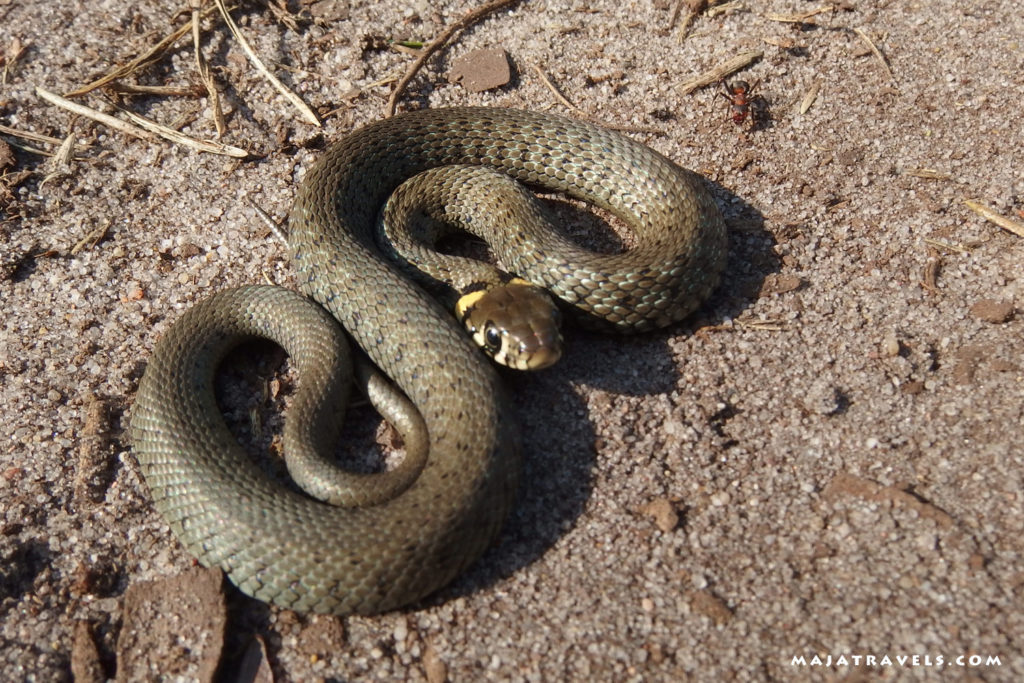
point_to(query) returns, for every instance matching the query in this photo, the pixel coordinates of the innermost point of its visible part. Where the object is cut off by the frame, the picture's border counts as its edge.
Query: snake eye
(492, 338)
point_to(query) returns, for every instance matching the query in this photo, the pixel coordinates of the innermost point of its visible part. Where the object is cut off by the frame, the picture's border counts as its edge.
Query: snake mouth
(543, 357)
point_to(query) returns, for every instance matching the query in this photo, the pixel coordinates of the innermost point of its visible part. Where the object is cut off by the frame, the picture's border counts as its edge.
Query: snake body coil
(288, 549)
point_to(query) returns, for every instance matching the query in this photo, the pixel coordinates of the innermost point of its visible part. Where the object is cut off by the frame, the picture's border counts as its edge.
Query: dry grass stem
(693, 10)
(1016, 227)
(205, 75)
(89, 113)
(92, 238)
(186, 140)
(435, 45)
(719, 7)
(939, 244)
(27, 148)
(878, 53)
(157, 90)
(144, 129)
(719, 72)
(307, 113)
(280, 11)
(928, 173)
(387, 80)
(148, 57)
(27, 135)
(762, 325)
(555, 91)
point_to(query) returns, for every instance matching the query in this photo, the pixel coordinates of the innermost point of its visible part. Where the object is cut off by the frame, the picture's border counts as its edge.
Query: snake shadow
(555, 408)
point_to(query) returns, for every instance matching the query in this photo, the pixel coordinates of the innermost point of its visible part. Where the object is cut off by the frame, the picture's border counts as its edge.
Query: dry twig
(157, 90)
(939, 244)
(28, 135)
(92, 238)
(469, 19)
(180, 138)
(556, 92)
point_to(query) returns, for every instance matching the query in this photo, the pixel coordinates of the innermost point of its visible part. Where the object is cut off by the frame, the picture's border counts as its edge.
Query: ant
(743, 103)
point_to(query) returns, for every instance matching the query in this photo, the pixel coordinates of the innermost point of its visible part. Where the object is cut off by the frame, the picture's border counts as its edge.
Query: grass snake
(455, 490)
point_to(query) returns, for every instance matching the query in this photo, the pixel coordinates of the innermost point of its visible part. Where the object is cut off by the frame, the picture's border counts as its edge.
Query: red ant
(743, 103)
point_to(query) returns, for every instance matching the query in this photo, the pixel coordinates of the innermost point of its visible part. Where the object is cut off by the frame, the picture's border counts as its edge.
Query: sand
(825, 461)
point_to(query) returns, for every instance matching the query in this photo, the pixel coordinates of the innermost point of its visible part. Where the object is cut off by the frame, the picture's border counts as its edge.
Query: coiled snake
(292, 550)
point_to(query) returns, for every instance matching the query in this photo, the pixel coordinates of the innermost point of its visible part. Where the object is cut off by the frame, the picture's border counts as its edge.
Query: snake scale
(289, 549)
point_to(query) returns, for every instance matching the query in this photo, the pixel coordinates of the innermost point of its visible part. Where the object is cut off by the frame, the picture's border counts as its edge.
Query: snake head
(516, 323)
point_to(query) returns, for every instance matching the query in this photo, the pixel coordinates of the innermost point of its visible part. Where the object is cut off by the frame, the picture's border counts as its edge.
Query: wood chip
(434, 667)
(86, 666)
(6, 155)
(780, 283)
(810, 97)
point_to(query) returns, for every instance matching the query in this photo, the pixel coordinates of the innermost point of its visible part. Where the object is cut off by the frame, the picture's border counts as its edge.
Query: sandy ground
(826, 461)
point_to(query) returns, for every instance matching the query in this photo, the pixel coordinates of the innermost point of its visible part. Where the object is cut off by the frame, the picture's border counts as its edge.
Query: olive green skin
(297, 552)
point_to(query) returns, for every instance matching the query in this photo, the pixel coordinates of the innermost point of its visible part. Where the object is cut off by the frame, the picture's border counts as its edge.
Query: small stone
(891, 346)
(720, 498)
(710, 606)
(664, 513)
(434, 668)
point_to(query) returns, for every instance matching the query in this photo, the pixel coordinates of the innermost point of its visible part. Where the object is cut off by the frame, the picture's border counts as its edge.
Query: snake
(337, 551)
